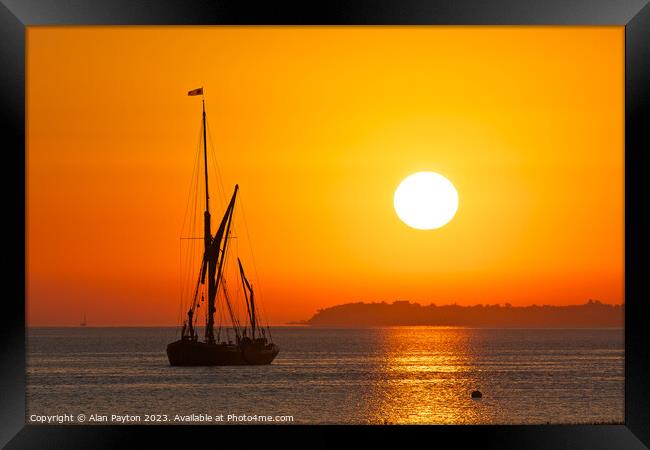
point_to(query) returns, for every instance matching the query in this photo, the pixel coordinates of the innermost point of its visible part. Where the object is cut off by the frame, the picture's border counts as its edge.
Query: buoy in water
(476, 394)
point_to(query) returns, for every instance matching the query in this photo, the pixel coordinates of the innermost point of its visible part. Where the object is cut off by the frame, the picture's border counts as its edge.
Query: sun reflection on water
(420, 380)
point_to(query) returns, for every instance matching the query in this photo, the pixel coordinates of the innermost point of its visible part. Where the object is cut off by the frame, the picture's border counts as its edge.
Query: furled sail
(215, 264)
(249, 295)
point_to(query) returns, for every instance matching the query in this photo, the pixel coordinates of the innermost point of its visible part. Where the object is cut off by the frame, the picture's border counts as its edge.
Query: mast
(207, 238)
(206, 215)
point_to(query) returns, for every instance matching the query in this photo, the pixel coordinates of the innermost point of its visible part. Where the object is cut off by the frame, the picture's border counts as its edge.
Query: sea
(384, 375)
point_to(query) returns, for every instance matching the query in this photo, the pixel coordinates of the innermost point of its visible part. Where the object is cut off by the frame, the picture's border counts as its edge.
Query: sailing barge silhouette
(255, 349)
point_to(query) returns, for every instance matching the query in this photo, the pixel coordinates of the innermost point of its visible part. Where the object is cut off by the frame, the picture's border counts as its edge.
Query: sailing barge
(251, 345)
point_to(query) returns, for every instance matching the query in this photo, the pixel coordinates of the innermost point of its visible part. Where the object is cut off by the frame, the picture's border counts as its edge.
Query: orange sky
(318, 125)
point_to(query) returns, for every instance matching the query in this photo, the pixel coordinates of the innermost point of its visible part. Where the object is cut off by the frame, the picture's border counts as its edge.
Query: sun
(425, 200)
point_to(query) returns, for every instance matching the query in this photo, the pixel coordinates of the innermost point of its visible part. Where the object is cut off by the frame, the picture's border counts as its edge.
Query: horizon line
(304, 322)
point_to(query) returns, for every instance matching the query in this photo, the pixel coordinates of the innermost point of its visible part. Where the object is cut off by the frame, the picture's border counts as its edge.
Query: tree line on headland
(591, 314)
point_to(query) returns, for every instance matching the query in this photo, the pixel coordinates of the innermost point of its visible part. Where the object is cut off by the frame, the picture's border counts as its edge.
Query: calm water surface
(372, 375)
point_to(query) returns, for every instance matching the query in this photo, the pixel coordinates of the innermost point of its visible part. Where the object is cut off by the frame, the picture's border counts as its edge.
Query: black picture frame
(16, 15)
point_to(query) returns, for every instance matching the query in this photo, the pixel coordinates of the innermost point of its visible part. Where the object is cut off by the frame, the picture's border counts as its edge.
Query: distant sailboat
(253, 349)
(83, 322)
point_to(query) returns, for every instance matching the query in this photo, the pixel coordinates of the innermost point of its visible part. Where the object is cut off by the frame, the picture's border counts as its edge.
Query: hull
(185, 352)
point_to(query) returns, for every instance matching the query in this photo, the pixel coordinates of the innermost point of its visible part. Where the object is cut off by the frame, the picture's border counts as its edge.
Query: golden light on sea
(419, 378)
